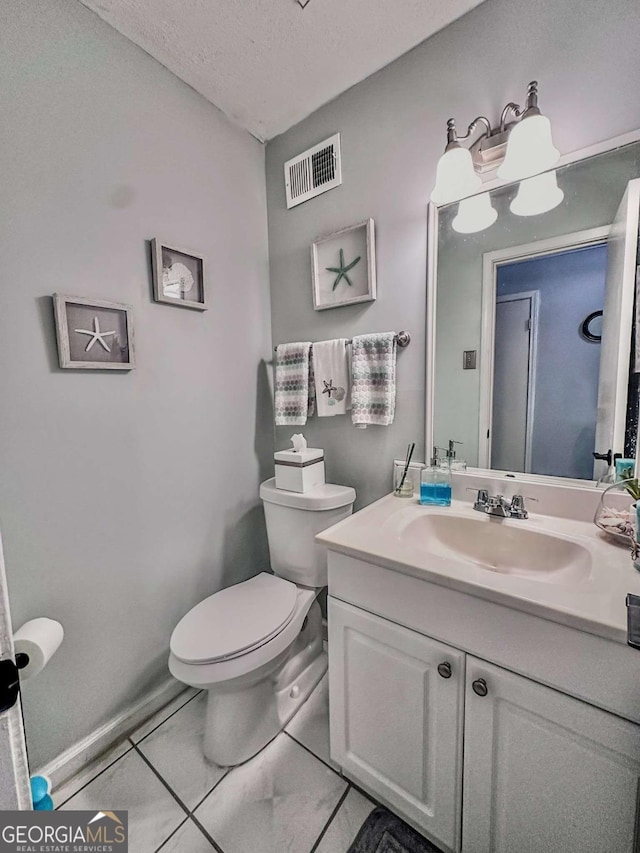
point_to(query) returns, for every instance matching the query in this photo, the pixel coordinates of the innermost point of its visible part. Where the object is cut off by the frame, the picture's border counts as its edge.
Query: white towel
(332, 367)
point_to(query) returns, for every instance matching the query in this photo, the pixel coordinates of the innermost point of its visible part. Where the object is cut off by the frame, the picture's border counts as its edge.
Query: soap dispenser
(455, 464)
(435, 483)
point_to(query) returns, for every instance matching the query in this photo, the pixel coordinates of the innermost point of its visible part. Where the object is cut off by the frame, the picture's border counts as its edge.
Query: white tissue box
(299, 470)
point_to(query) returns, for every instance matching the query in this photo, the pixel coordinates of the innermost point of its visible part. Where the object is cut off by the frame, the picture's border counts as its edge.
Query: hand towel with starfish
(332, 366)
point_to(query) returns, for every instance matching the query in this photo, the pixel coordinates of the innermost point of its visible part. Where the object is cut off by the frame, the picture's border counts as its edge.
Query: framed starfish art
(343, 267)
(93, 334)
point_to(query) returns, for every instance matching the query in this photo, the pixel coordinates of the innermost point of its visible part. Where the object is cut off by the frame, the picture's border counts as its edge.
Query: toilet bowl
(256, 647)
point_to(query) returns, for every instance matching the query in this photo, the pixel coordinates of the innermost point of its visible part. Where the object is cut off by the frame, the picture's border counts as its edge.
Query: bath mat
(383, 832)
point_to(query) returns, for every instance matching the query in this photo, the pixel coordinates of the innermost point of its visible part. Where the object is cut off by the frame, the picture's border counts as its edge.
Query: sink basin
(498, 546)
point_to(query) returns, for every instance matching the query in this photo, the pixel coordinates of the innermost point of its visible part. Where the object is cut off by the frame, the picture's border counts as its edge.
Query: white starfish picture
(96, 335)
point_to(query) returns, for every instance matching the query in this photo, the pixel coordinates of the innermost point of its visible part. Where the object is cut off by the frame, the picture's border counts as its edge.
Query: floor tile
(130, 784)
(88, 772)
(188, 839)
(175, 750)
(310, 726)
(278, 802)
(346, 823)
(160, 716)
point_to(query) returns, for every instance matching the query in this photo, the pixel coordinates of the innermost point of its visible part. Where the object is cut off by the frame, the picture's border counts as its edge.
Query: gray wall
(124, 498)
(585, 56)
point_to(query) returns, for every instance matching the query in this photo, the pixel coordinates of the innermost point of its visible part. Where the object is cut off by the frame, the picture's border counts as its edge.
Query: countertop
(594, 603)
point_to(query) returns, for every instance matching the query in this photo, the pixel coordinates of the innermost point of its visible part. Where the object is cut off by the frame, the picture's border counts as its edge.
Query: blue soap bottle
(435, 483)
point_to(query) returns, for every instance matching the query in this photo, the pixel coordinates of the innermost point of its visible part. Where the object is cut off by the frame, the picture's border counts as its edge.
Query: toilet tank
(293, 519)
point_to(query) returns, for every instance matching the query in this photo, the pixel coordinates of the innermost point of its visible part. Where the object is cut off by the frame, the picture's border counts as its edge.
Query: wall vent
(313, 172)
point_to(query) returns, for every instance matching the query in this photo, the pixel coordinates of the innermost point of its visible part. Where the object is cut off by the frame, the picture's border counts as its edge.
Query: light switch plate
(469, 359)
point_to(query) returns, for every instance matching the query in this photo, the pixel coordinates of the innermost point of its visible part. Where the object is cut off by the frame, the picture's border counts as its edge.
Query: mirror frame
(432, 286)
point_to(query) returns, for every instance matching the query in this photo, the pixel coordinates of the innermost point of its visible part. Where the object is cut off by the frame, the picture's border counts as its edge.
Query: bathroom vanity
(480, 681)
(481, 684)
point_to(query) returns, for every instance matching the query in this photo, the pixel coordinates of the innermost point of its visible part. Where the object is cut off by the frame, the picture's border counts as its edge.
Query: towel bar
(403, 339)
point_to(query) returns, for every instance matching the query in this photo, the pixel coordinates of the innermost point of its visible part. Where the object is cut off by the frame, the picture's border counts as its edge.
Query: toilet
(256, 647)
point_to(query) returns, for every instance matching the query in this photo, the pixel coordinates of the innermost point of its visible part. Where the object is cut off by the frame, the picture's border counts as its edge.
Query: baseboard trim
(91, 747)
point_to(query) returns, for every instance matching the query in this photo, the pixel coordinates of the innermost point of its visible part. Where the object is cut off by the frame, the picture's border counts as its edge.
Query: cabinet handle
(480, 687)
(444, 669)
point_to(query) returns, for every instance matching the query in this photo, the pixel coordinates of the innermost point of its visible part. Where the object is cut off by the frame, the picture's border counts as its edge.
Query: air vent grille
(313, 172)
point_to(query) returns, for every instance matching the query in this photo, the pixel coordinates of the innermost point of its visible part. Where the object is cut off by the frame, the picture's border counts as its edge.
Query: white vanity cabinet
(397, 701)
(487, 760)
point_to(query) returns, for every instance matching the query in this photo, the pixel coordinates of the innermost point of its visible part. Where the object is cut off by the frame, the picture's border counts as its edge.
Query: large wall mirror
(534, 339)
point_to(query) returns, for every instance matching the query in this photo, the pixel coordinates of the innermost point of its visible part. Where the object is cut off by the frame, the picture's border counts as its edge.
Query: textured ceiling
(269, 63)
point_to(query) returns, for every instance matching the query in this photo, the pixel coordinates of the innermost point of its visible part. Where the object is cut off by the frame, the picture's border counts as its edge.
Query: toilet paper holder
(10, 680)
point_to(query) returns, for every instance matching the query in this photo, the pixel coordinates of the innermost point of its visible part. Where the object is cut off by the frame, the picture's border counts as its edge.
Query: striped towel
(295, 387)
(373, 371)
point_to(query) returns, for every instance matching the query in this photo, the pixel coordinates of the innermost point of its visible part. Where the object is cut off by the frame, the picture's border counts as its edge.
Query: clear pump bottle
(435, 483)
(455, 464)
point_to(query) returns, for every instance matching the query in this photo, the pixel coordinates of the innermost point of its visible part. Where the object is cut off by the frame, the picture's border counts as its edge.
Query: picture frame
(178, 276)
(93, 334)
(343, 267)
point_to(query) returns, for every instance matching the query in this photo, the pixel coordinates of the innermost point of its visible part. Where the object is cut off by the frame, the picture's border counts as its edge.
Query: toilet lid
(234, 620)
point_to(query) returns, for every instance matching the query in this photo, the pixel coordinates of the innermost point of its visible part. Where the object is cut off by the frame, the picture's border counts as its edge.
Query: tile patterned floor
(288, 799)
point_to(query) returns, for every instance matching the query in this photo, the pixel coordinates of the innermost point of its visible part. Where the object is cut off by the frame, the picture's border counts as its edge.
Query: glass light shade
(530, 149)
(455, 177)
(474, 214)
(537, 195)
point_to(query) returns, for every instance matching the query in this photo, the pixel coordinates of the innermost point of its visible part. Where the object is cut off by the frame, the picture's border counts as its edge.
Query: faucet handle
(482, 497)
(518, 508)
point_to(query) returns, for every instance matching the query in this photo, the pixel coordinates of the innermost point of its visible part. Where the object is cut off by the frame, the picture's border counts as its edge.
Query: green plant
(633, 487)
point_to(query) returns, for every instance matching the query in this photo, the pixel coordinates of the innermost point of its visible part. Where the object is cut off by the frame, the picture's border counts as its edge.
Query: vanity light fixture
(520, 148)
(456, 176)
(530, 148)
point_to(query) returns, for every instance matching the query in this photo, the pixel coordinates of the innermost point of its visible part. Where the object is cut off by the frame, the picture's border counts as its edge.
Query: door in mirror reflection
(545, 377)
(514, 380)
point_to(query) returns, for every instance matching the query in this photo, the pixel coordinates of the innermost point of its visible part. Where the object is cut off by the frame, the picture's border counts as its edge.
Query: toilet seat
(249, 664)
(235, 621)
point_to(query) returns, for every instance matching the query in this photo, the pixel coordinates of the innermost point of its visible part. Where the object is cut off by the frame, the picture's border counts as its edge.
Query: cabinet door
(543, 772)
(396, 723)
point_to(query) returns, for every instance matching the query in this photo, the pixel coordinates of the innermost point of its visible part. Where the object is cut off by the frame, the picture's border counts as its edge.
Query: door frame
(617, 347)
(491, 261)
(15, 789)
(534, 298)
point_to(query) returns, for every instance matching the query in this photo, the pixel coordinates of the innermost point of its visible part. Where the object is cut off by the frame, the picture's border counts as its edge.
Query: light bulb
(537, 195)
(474, 214)
(455, 177)
(530, 149)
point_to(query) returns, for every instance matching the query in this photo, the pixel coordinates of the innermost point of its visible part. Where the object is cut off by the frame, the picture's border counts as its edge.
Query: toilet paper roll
(40, 639)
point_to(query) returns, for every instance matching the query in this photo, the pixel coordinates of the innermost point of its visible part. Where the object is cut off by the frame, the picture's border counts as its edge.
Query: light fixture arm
(452, 137)
(488, 147)
(510, 108)
(530, 109)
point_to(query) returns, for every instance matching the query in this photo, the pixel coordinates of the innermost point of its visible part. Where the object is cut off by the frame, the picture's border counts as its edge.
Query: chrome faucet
(499, 506)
